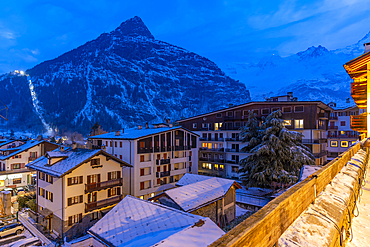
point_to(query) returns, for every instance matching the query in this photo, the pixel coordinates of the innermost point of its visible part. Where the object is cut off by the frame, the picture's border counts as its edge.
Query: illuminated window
(218, 126)
(287, 122)
(344, 144)
(334, 143)
(234, 169)
(209, 145)
(142, 197)
(204, 144)
(298, 123)
(216, 167)
(152, 194)
(342, 132)
(207, 166)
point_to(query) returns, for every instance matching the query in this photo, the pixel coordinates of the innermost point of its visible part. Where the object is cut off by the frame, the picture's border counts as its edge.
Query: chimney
(231, 105)
(139, 127)
(147, 125)
(367, 47)
(117, 133)
(290, 94)
(61, 148)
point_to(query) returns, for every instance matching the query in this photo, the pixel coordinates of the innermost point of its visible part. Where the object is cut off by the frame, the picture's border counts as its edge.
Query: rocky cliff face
(122, 78)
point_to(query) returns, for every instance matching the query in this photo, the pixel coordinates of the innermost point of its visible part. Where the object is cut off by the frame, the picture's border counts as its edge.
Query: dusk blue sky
(223, 31)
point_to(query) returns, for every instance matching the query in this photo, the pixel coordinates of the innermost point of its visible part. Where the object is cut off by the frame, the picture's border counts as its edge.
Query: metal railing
(103, 185)
(102, 203)
(163, 161)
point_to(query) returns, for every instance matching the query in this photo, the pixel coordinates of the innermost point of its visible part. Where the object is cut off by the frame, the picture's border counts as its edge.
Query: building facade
(340, 134)
(219, 132)
(75, 187)
(13, 161)
(160, 156)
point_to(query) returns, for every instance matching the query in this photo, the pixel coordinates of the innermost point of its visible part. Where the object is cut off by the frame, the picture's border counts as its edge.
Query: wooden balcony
(103, 185)
(103, 203)
(359, 122)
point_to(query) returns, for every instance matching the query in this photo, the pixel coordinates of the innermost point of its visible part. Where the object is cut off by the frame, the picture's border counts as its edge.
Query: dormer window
(95, 163)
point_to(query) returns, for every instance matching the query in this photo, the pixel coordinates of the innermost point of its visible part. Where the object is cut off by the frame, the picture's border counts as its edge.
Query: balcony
(162, 174)
(232, 150)
(333, 118)
(231, 162)
(145, 150)
(163, 161)
(212, 149)
(103, 185)
(103, 203)
(314, 141)
(211, 139)
(233, 139)
(332, 127)
(31, 159)
(323, 115)
(320, 154)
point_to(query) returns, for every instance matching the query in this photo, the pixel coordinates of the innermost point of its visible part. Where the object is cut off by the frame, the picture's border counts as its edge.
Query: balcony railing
(31, 159)
(332, 127)
(333, 118)
(233, 139)
(211, 139)
(163, 161)
(320, 154)
(145, 150)
(162, 174)
(212, 149)
(314, 141)
(212, 160)
(103, 203)
(103, 185)
(232, 150)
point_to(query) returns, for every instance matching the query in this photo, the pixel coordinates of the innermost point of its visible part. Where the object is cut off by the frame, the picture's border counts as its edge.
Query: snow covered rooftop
(194, 195)
(135, 133)
(21, 148)
(135, 222)
(189, 178)
(308, 170)
(72, 159)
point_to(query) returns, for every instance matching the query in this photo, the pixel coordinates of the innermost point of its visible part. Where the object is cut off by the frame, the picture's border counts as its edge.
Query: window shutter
(30, 154)
(11, 167)
(141, 172)
(81, 198)
(98, 178)
(51, 197)
(20, 156)
(13, 157)
(109, 192)
(69, 201)
(69, 220)
(118, 174)
(88, 179)
(23, 165)
(79, 217)
(109, 176)
(81, 180)
(51, 179)
(69, 181)
(119, 191)
(36, 155)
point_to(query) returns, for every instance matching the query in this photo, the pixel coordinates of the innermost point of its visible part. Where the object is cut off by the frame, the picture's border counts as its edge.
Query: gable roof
(21, 148)
(71, 160)
(195, 195)
(135, 222)
(6, 142)
(135, 133)
(189, 178)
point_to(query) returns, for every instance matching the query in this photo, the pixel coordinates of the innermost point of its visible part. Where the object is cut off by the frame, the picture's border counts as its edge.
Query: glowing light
(22, 72)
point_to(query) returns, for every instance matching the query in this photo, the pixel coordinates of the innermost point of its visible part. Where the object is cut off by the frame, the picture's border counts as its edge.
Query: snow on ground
(308, 170)
(240, 211)
(361, 224)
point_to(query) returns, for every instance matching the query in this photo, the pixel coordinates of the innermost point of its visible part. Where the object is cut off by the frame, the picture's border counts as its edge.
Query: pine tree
(276, 154)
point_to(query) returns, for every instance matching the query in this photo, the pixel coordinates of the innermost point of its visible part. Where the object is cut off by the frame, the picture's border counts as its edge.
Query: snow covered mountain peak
(133, 27)
(313, 52)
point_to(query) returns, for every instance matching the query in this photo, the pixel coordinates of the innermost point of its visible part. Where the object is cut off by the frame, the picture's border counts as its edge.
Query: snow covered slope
(313, 74)
(124, 78)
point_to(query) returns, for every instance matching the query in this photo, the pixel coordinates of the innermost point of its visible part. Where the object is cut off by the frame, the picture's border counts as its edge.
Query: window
(92, 197)
(49, 196)
(221, 135)
(204, 125)
(75, 180)
(344, 144)
(287, 122)
(16, 166)
(265, 111)
(256, 111)
(145, 185)
(75, 200)
(218, 115)
(298, 123)
(287, 109)
(204, 145)
(33, 155)
(218, 126)
(334, 143)
(234, 169)
(275, 109)
(41, 176)
(114, 191)
(298, 108)
(17, 180)
(194, 125)
(142, 144)
(120, 156)
(49, 179)
(18, 156)
(207, 166)
(141, 158)
(342, 123)
(115, 144)
(120, 144)
(94, 216)
(221, 167)
(215, 166)
(145, 171)
(114, 175)
(93, 179)
(245, 113)
(95, 163)
(106, 144)
(229, 114)
(41, 192)
(74, 219)
(237, 124)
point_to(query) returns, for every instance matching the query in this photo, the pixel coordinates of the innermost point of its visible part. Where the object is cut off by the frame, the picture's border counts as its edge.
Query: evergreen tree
(52, 139)
(276, 154)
